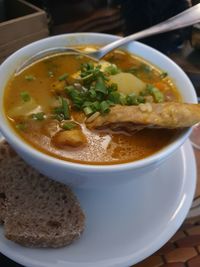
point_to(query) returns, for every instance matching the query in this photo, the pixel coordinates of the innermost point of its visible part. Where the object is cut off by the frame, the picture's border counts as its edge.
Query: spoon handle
(183, 19)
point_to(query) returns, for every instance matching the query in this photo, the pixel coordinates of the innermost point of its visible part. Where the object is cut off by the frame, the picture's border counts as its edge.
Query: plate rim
(179, 215)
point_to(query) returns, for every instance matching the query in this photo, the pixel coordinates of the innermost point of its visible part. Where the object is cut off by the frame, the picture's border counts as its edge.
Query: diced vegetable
(127, 83)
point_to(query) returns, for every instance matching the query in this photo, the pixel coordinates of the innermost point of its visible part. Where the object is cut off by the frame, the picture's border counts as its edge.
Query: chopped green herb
(92, 93)
(163, 75)
(110, 103)
(57, 117)
(88, 111)
(65, 108)
(69, 125)
(159, 97)
(112, 70)
(104, 107)
(97, 94)
(155, 92)
(21, 126)
(88, 68)
(114, 97)
(78, 97)
(101, 86)
(29, 78)
(25, 96)
(69, 88)
(133, 99)
(89, 72)
(122, 99)
(112, 88)
(87, 104)
(140, 99)
(96, 106)
(62, 112)
(40, 116)
(63, 77)
(100, 97)
(130, 99)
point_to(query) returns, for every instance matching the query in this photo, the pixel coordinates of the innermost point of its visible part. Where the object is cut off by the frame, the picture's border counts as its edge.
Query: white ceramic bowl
(91, 175)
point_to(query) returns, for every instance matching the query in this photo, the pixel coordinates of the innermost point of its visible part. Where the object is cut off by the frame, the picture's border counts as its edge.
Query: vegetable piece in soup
(48, 103)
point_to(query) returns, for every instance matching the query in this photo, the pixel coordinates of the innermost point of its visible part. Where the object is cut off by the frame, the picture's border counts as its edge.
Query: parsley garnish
(40, 116)
(69, 125)
(63, 77)
(25, 96)
(62, 112)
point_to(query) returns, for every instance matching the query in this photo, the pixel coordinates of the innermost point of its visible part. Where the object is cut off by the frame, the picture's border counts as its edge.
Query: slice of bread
(2, 208)
(5, 152)
(38, 212)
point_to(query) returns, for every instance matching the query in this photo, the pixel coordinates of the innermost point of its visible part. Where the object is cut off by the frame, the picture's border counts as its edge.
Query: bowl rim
(158, 156)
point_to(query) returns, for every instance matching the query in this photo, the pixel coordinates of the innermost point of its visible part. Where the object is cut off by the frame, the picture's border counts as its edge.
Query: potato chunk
(127, 83)
(74, 138)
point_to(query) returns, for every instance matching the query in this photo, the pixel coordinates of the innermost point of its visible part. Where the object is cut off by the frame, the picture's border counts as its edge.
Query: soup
(49, 103)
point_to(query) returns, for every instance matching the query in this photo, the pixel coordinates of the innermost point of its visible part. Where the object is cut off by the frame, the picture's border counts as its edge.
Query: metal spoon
(183, 19)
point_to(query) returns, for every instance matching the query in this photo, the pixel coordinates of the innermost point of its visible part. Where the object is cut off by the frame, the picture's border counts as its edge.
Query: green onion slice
(25, 96)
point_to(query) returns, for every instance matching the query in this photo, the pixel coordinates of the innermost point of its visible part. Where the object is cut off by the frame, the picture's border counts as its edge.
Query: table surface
(183, 249)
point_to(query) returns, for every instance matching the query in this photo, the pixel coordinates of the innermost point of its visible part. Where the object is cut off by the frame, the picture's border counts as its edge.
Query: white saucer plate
(125, 224)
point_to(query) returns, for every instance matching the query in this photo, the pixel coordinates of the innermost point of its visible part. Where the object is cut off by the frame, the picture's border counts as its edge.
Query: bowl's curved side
(61, 170)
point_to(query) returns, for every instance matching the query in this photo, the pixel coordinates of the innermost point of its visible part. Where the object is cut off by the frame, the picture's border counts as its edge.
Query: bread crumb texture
(36, 211)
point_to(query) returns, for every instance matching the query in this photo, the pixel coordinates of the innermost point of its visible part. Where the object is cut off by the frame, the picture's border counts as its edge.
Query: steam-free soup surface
(49, 102)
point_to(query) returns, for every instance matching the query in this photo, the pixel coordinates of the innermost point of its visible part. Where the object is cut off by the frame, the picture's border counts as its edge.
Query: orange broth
(38, 80)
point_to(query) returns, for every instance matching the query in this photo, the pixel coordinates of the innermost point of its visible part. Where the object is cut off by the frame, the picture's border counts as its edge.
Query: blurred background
(22, 22)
